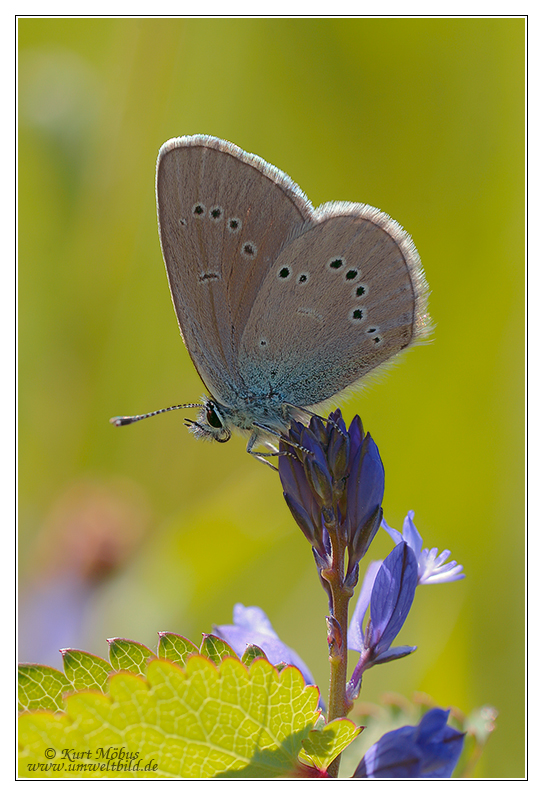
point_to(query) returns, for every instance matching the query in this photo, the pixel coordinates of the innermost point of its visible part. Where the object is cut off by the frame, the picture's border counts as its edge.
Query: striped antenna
(127, 420)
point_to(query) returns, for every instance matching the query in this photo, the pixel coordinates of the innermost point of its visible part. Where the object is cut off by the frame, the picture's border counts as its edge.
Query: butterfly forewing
(223, 217)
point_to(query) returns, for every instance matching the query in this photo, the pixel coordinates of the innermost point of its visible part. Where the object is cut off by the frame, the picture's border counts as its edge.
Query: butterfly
(281, 306)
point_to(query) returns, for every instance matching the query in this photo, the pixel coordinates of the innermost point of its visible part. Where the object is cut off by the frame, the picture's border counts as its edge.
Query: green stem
(338, 707)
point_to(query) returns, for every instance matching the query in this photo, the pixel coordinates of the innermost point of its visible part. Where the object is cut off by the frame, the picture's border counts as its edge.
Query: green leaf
(84, 670)
(252, 652)
(129, 655)
(324, 744)
(175, 648)
(204, 721)
(215, 648)
(41, 687)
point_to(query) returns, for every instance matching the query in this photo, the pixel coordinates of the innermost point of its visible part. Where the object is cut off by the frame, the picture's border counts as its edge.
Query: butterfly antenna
(127, 420)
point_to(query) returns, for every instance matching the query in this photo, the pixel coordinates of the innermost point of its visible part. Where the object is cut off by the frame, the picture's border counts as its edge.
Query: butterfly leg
(262, 456)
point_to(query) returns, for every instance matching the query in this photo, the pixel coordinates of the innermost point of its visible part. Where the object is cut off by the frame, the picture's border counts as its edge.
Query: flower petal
(392, 596)
(355, 634)
(252, 626)
(429, 750)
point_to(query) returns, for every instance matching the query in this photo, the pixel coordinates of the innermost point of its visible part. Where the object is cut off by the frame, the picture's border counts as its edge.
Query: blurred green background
(126, 532)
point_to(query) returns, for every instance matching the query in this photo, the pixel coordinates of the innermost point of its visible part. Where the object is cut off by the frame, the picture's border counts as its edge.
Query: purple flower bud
(392, 596)
(334, 479)
(338, 453)
(429, 750)
(392, 585)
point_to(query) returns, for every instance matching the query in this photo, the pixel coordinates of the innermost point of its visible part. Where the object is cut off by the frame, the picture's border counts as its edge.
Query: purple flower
(389, 589)
(431, 566)
(333, 482)
(252, 626)
(431, 749)
(355, 634)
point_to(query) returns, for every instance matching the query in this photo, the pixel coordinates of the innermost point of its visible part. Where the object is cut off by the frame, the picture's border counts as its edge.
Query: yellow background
(423, 118)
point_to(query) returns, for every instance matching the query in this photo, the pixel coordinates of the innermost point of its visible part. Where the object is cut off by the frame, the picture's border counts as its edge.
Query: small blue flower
(431, 566)
(392, 585)
(429, 750)
(252, 626)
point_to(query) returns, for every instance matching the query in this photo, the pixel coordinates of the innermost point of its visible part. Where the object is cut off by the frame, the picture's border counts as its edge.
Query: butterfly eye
(212, 417)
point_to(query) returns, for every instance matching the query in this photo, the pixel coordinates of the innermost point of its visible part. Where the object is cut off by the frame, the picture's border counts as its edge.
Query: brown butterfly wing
(341, 299)
(223, 217)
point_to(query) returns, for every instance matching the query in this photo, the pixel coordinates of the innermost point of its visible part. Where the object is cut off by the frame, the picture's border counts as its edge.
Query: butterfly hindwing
(342, 298)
